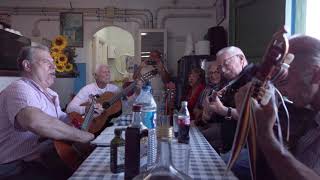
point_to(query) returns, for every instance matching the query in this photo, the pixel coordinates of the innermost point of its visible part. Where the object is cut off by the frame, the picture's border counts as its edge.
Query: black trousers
(48, 167)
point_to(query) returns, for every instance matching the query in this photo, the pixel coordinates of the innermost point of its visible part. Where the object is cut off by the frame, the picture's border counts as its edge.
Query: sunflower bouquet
(63, 56)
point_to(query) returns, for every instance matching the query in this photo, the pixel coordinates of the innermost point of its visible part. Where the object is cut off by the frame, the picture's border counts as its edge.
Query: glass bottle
(117, 152)
(164, 168)
(184, 123)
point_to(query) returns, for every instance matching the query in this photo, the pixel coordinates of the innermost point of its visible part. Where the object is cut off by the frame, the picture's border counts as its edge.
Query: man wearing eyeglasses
(233, 64)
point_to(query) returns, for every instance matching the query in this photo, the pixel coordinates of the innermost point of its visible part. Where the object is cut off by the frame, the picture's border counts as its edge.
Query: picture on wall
(71, 26)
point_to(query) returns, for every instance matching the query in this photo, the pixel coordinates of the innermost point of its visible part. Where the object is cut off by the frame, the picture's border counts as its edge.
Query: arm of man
(165, 77)
(137, 72)
(75, 106)
(282, 163)
(35, 120)
(217, 107)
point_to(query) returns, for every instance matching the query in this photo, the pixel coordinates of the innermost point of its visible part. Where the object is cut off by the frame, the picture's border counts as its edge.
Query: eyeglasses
(227, 62)
(214, 72)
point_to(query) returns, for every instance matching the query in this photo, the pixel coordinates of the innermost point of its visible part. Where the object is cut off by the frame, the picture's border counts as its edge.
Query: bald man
(102, 85)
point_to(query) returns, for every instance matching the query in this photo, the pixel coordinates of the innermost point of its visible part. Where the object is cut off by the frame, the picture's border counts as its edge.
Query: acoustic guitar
(111, 102)
(74, 153)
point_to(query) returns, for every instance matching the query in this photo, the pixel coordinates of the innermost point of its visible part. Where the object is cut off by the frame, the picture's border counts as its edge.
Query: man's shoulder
(112, 87)
(17, 85)
(88, 87)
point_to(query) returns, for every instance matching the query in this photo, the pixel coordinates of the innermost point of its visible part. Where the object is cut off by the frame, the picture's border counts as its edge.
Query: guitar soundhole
(106, 105)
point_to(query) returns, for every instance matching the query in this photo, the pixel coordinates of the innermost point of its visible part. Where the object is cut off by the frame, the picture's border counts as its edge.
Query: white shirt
(85, 92)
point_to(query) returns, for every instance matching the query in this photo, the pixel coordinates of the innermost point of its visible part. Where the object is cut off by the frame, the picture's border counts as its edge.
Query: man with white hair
(101, 85)
(233, 64)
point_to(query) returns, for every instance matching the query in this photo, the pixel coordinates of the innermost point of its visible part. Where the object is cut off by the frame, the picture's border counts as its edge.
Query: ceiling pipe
(170, 16)
(86, 11)
(36, 31)
(99, 12)
(127, 13)
(142, 10)
(180, 8)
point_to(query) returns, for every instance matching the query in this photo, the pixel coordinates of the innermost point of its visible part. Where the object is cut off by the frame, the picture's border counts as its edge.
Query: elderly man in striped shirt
(29, 111)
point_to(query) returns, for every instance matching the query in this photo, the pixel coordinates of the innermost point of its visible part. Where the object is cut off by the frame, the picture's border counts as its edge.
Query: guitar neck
(119, 95)
(88, 117)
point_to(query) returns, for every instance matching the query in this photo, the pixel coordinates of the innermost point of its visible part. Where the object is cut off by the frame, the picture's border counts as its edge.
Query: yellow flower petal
(60, 68)
(60, 42)
(63, 59)
(68, 67)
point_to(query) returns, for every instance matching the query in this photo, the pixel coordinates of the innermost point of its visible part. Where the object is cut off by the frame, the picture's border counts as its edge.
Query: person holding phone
(154, 62)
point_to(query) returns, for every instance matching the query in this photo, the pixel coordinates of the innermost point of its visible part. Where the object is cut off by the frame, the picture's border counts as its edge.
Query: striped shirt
(17, 143)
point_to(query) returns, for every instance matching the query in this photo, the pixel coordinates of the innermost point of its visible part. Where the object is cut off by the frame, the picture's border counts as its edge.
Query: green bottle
(117, 152)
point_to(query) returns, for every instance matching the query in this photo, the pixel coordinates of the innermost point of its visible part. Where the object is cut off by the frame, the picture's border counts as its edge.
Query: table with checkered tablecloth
(204, 162)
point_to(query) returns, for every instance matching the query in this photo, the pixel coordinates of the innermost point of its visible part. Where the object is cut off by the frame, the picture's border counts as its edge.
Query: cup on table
(175, 125)
(180, 155)
(164, 130)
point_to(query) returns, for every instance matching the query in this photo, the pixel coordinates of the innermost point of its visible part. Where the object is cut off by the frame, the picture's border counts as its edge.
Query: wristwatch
(228, 116)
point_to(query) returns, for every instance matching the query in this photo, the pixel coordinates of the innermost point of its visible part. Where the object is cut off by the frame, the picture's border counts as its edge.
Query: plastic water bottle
(149, 116)
(184, 123)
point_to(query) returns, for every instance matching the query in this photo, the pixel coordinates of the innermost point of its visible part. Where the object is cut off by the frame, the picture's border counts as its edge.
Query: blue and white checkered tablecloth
(204, 162)
(123, 120)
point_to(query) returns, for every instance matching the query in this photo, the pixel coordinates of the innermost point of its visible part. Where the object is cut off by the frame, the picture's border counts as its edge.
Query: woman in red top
(196, 85)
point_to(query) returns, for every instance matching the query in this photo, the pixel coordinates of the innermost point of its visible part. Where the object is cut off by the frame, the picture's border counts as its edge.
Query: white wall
(177, 28)
(5, 81)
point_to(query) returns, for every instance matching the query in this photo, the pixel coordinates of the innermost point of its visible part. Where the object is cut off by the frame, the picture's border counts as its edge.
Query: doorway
(113, 46)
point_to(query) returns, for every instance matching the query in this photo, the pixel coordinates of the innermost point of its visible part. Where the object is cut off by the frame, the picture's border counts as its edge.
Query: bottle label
(149, 119)
(184, 120)
(121, 155)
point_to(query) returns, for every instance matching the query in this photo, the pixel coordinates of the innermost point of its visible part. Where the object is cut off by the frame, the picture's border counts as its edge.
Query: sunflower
(60, 42)
(60, 68)
(56, 62)
(68, 67)
(56, 50)
(63, 59)
(55, 56)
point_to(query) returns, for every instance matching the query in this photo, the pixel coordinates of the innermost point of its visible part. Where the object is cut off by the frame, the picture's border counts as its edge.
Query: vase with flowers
(63, 57)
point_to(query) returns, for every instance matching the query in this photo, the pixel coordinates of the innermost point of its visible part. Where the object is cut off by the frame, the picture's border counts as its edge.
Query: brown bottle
(117, 152)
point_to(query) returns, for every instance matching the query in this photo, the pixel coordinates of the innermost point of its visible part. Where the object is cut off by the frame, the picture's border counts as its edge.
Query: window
(312, 18)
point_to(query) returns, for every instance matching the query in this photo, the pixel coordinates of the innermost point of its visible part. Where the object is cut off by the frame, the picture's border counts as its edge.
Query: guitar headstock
(145, 77)
(274, 56)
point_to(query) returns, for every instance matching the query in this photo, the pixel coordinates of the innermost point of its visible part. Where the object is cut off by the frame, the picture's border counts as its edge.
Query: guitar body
(73, 154)
(68, 154)
(101, 121)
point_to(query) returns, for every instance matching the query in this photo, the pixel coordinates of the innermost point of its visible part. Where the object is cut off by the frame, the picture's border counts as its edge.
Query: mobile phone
(151, 62)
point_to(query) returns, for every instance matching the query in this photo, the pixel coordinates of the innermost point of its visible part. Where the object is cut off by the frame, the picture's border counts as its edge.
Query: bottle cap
(147, 86)
(117, 132)
(184, 103)
(136, 108)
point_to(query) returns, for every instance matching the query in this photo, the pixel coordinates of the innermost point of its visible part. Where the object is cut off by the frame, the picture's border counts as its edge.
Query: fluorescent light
(146, 52)
(145, 56)
(143, 34)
